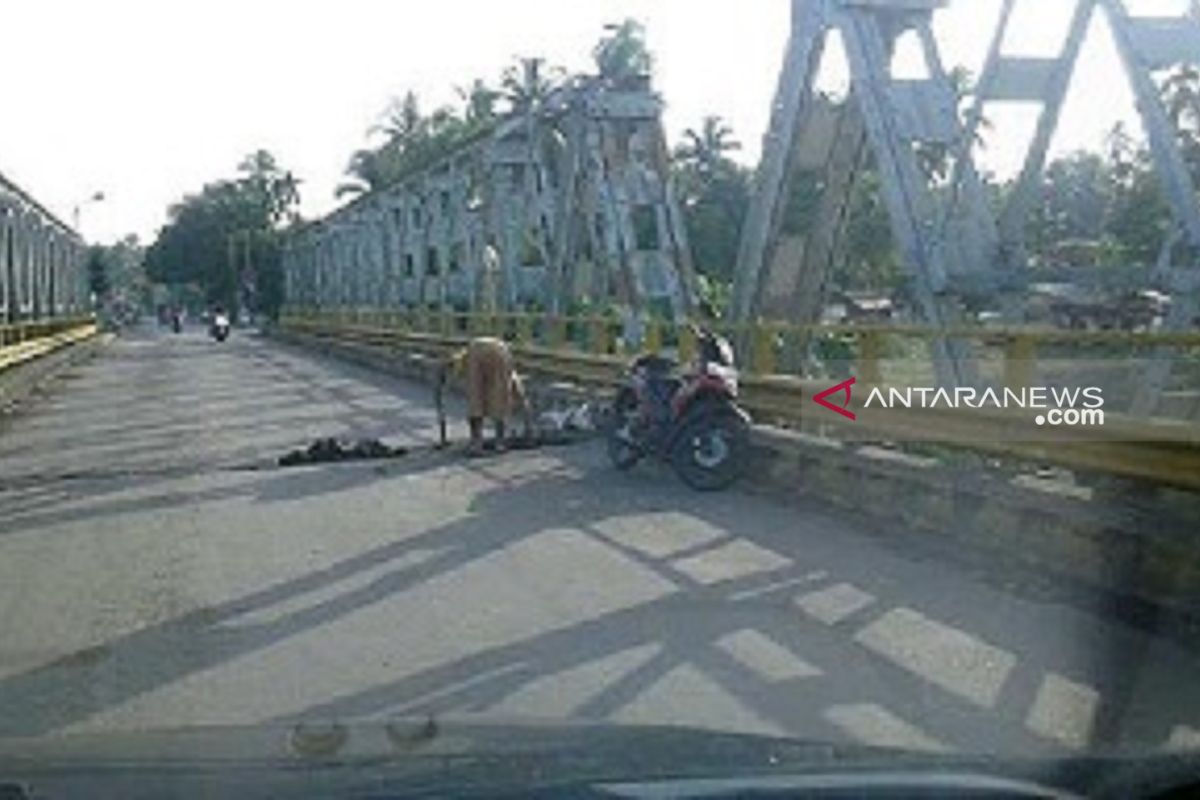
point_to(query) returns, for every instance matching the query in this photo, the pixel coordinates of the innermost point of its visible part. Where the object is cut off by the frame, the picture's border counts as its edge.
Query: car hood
(440, 755)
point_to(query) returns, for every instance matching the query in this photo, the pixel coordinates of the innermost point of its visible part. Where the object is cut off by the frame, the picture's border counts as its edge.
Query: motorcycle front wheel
(711, 453)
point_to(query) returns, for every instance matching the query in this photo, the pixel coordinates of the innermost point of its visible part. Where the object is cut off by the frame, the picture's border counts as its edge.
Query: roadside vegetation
(1095, 209)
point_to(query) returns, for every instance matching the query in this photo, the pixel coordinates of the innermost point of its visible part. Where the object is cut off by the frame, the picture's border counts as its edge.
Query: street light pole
(95, 197)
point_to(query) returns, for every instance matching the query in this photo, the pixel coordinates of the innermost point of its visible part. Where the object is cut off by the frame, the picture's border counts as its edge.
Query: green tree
(479, 101)
(871, 259)
(117, 276)
(526, 84)
(715, 194)
(1181, 93)
(226, 239)
(706, 150)
(622, 54)
(99, 282)
(412, 139)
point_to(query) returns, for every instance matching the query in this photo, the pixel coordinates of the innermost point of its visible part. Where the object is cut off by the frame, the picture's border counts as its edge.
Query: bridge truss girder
(951, 245)
(890, 117)
(43, 270)
(569, 202)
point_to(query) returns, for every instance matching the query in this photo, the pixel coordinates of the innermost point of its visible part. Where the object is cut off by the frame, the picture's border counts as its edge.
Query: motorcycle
(691, 420)
(219, 328)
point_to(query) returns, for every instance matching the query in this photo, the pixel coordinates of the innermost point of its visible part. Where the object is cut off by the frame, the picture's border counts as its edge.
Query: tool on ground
(439, 400)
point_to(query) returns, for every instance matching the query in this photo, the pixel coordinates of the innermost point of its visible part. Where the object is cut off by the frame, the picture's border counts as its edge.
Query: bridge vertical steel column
(1145, 45)
(950, 241)
(898, 116)
(8, 275)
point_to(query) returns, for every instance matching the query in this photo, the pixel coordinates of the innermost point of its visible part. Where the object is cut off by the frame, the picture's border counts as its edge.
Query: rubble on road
(561, 426)
(331, 450)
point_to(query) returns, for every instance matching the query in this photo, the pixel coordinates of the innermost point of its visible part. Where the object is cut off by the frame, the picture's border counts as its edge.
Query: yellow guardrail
(1166, 452)
(23, 342)
(868, 347)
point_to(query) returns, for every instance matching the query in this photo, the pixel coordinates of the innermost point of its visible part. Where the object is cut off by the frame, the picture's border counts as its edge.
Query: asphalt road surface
(156, 571)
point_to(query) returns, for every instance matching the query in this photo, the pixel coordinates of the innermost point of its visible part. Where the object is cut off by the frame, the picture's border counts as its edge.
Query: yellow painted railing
(770, 347)
(26, 341)
(589, 350)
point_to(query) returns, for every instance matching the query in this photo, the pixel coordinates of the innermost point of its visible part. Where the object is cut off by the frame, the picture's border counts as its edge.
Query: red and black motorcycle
(689, 418)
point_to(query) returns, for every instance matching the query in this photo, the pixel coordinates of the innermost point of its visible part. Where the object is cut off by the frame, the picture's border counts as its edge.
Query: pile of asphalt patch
(329, 451)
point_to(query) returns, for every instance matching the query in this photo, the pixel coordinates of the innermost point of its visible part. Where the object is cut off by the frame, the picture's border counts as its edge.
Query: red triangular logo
(832, 390)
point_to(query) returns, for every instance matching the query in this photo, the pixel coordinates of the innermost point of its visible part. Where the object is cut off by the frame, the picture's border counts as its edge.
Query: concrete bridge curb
(18, 383)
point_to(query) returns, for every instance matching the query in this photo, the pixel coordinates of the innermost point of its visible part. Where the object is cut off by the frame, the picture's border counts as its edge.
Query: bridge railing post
(1020, 355)
(524, 329)
(870, 356)
(688, 347)
(598, 335)
(652, 341)
(556, 332)
(762, 359)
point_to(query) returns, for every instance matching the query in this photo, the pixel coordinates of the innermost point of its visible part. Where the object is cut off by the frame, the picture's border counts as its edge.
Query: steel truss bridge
(565, 201)
(570, 204)
(42, 270)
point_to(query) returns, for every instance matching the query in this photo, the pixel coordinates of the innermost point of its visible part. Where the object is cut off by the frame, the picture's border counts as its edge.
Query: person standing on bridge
(494, 390)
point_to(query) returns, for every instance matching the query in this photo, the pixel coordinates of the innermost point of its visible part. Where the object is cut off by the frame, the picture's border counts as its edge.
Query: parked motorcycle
(219, 327)
(691, 420)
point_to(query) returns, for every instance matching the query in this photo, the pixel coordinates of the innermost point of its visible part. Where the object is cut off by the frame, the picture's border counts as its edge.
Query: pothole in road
(324, 451)
(333, 451)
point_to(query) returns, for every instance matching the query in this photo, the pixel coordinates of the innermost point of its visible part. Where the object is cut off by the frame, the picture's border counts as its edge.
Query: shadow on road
(684, 640)
(714, 631)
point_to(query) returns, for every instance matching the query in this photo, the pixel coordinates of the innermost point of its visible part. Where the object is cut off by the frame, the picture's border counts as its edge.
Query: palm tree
(706, 149)
(277, 190)
(479, 102)
(526, 85)
(368, 170)
(402, 120)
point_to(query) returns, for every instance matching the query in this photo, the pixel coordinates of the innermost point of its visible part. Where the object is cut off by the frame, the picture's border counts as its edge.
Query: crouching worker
(494, 390)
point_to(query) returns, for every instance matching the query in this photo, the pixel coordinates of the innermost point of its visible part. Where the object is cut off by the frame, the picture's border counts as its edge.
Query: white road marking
(1184, 737)
(941, 654)
(762, 655)
(497, 599)
(734, 560)
(660, 535)
(562, 694)
(750, 594)
(874, 725)
(686, 696)
(835, 603)
(1064, 710)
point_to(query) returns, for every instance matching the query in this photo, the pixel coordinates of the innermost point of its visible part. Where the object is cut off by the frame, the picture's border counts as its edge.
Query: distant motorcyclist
(494, 390)
(218, 327)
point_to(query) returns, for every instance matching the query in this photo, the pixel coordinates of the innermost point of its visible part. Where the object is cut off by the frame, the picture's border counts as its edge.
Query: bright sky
(147, 100)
